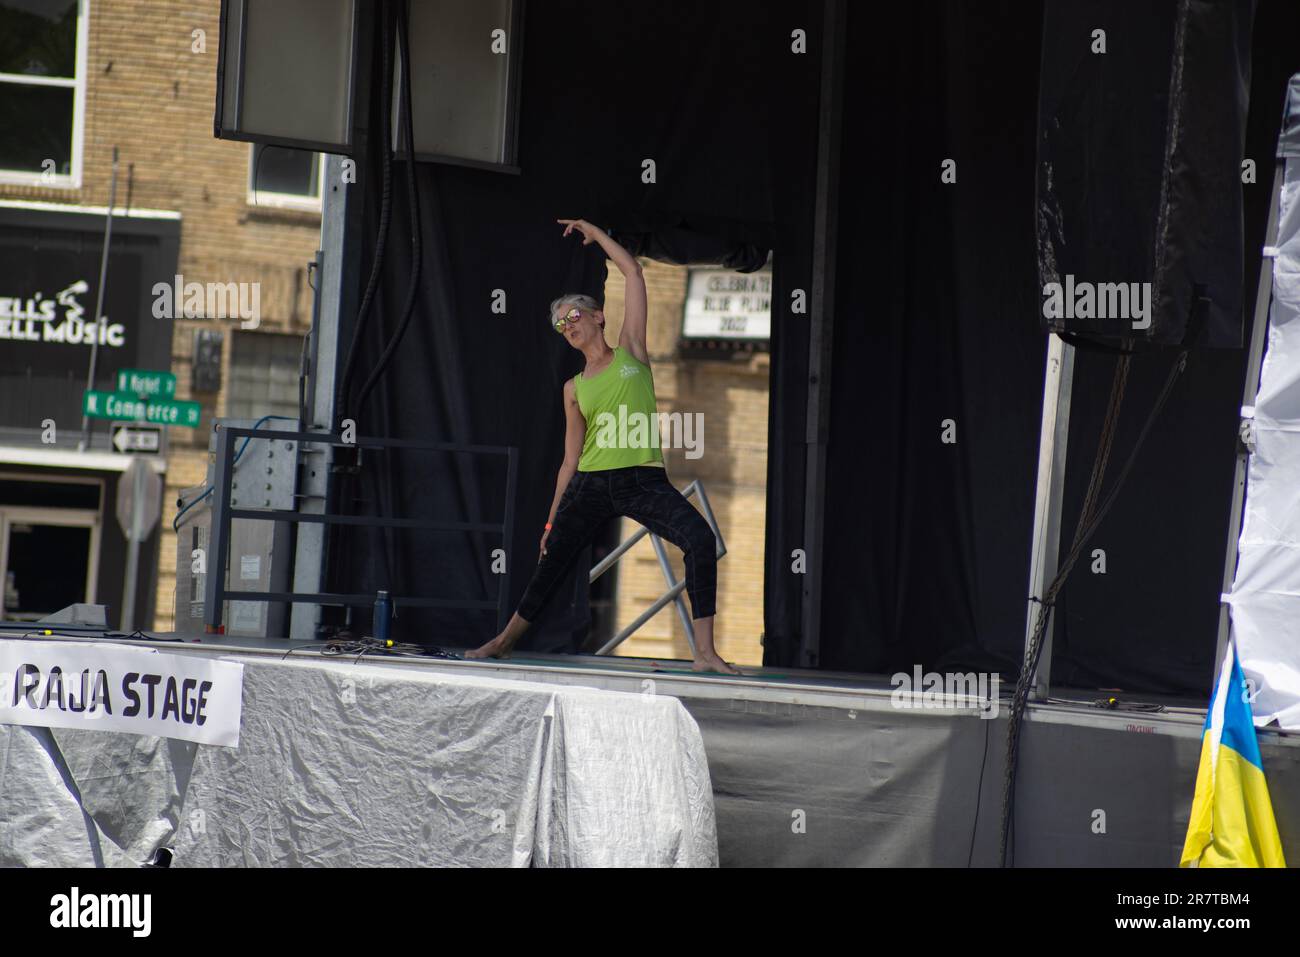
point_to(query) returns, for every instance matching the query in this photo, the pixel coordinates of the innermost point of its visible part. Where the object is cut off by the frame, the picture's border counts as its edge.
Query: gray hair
(581, 300)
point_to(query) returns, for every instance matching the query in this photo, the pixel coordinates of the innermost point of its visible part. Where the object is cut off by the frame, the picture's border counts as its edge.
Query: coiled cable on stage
(360, 647)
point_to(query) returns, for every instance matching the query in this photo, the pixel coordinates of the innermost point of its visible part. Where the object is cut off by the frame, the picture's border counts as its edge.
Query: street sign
(147, 383)
(124, 405)
(129, 437)
(174, 412)
(139, 496)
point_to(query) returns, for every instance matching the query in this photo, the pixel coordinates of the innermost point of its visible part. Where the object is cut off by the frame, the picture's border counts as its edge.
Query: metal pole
(331, 281)
(1053, 439)
(214, 585)
(139, 477)
(99, 301)
(654, 609)
(1258, 333)
(821, 330)
(338, 293)
(667, 569)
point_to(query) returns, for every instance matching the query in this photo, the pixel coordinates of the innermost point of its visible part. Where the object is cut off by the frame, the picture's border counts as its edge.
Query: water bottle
(383, 616)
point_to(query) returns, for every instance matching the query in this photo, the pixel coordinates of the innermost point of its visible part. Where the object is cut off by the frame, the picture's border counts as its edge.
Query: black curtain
(712, 93)
(927, 542)
(937, 309)
(936, 323)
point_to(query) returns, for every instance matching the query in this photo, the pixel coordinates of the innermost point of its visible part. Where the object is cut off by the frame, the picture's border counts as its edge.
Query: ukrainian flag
(1232, 818)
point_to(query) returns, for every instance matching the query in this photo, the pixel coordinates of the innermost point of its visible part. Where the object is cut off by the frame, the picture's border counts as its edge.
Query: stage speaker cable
(360, 647)
(342, 402)
(1090, 519)
(404, 111)
(406, 123)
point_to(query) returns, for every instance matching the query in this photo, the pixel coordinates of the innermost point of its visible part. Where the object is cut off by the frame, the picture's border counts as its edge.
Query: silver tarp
(374, 765)
(81, 798)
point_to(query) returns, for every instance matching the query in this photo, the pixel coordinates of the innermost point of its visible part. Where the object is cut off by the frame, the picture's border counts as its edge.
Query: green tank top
(622, 419)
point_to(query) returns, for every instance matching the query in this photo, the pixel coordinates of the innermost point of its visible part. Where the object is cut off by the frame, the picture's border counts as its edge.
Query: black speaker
(1141, 133)
(287, 72)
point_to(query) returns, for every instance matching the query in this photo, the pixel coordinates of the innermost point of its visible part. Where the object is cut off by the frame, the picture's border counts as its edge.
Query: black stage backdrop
(936, 318)
(711, 92)
(928, 542)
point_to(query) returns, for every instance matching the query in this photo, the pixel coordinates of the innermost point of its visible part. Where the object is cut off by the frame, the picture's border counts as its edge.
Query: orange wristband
(548, 526)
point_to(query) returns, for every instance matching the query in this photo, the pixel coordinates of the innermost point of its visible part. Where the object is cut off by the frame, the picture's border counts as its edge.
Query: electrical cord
(979, 795)
(137, 635)
(1020, 699)
(406, 125)
(1088, 524)
(337, 647)
(96, 633)
(302, 383)
(305, 646)
(1114, 704)
(257, 168)
(342, 402)
(176, 522)
(1100, 460)
(404, 117)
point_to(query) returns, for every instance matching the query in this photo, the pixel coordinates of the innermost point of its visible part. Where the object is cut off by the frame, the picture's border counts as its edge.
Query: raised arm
(632, 337)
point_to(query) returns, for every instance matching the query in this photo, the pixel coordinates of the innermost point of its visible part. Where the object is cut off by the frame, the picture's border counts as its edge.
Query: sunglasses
(570, 317)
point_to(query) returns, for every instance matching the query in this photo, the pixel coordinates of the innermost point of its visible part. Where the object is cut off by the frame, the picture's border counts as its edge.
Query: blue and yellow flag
(1232, 818)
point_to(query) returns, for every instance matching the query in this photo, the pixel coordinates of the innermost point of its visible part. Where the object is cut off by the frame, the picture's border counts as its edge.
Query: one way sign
(130, 437)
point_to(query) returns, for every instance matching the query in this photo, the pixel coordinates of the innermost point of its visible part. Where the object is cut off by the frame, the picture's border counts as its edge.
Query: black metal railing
(216, 592)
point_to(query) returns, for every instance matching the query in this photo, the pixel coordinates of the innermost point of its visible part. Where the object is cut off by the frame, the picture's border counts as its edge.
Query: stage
(556, 760)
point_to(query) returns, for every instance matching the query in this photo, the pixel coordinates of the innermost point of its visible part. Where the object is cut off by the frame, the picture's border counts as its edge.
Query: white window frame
(78, 86)
(263, 197)
(71, 517)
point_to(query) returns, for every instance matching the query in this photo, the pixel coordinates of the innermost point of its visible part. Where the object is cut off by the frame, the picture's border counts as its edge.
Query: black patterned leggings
(644, 494)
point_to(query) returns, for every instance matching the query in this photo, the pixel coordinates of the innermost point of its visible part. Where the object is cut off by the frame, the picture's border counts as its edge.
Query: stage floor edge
(823, 769)
(795, 686)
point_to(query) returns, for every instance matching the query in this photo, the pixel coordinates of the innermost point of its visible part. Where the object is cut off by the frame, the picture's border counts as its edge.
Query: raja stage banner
(106, 687)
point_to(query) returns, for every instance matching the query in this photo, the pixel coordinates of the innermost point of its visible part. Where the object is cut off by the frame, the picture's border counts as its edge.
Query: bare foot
(714, 663)
(496, 648)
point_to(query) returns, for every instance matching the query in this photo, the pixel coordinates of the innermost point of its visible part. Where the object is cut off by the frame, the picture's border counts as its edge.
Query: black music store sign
(49, 275)
(59, 542)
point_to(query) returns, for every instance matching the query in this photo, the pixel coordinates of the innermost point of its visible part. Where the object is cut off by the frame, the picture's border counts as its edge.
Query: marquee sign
(721, 304)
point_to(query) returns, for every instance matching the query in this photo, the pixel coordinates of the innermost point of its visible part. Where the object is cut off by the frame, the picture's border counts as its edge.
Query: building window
(49, 543)
(263, 375)
(283, 177)
(42, 91)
